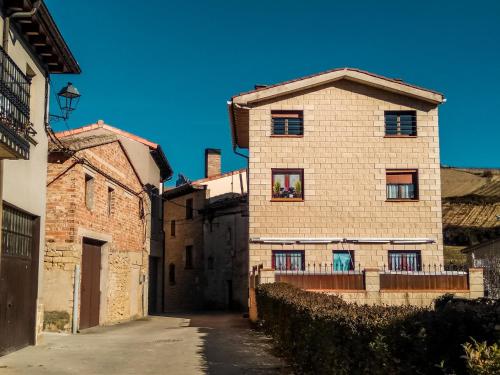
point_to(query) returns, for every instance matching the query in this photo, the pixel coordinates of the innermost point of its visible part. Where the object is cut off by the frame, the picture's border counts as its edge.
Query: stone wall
(345, 156)
(124, 255)
(186, 291)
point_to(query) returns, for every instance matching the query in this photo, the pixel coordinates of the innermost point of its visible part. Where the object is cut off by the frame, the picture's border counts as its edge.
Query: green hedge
(323, 334)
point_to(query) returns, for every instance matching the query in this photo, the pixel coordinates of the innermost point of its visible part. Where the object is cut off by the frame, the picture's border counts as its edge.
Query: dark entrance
(18, 279)
(91, 279)
(153, 285)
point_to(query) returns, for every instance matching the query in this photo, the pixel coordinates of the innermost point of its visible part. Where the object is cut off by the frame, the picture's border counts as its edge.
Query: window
(402, 184)
(288, 184)
(172, 228)
(287, 123)
(343, 260)
(288, 260)
(18, 230)
(405, 260)
(171, 274)
(111, 200)
(400, 123)
(89, 192)
(189, 257)
(189, 208)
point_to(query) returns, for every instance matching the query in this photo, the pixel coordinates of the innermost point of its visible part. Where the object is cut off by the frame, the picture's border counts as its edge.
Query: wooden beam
(38, 40)
(30, 29)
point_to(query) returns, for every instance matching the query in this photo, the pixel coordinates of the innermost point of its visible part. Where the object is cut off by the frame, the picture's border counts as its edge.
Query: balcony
(16, 131)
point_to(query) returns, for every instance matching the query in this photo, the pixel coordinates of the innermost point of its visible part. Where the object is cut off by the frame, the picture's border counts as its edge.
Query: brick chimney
(212, 162)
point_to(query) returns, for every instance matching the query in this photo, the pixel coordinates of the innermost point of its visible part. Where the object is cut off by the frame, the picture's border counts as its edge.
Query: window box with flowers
(287, 184)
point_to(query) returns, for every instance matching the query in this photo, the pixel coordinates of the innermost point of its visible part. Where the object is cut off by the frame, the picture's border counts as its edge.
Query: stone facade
(121, 232)
(345, 156)
(216, 236)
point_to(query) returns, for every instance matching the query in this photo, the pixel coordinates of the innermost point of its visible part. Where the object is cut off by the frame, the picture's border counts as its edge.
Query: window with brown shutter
(402, 184)
(287, 123)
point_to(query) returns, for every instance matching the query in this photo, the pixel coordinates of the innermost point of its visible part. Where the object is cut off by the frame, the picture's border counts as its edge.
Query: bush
(323, 334)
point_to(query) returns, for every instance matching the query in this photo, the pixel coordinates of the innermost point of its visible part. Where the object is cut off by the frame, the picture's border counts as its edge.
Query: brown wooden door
(90, 291)
(18, 279)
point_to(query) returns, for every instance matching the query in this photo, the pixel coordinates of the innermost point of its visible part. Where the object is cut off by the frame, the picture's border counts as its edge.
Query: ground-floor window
(290, 260)
(400, 260)
(343, 260)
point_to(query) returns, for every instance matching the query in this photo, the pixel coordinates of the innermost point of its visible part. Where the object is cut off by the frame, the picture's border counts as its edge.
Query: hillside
(471, 208)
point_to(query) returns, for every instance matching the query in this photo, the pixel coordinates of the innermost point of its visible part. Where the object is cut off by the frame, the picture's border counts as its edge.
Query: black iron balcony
(15, 127)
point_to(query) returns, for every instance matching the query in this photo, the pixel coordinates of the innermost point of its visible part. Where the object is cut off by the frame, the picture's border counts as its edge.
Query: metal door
(91, 278)
(18, 279)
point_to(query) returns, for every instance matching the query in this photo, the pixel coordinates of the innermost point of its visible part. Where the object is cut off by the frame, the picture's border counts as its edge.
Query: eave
(42, 34)
(239, 106)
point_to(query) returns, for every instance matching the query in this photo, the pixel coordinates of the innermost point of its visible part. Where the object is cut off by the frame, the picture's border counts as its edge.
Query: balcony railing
(322, 277)
(15, 125)
(326, 277)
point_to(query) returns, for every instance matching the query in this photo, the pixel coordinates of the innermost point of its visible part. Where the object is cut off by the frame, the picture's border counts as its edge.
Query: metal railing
(400, 123)
(287, 126)
(427, 277)
(14, 97)
(322, 277)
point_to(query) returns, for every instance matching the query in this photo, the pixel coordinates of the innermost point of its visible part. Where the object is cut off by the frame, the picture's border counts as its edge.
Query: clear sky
(165, 69)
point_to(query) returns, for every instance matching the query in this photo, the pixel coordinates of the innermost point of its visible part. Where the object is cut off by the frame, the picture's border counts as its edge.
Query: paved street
(181, 344)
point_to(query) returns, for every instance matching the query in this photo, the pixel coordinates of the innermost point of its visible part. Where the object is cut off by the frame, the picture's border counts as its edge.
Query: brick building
(344, 173)
(103, 214)
(206, 240)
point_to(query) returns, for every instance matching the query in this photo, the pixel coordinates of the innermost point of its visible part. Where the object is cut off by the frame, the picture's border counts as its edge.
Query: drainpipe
(6, 23)
(235, 146)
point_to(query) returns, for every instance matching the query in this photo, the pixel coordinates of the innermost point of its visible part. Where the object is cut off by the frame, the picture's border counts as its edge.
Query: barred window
(17, 233)
(288, 260)
(405, 260)
(287, 123)
(400, 123)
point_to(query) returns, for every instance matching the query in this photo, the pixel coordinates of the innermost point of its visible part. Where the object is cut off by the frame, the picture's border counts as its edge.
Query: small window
(172, 228)
(89, 192)
(288, 260)
(189, 257)
(402, 185)
(287, 123)
(189, 208)
(405, 260)
(288, 184)
(400, 123)
(210, 263)
(111, 200)
(171, 274)
(343, 260)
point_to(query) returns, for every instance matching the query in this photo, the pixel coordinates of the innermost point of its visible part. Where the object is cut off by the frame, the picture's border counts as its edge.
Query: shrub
(322, 334)
(482, 359)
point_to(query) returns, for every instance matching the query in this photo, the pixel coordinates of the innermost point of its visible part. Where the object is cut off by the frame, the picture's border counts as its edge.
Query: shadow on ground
(231, 346)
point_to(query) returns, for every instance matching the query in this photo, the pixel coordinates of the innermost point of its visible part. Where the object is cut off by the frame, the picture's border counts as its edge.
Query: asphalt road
(211, 343)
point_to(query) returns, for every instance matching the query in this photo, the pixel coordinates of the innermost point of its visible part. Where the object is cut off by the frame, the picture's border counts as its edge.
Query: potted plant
(298, 189)
(277, 189)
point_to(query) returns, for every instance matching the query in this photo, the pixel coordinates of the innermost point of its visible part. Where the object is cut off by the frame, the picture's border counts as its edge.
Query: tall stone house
(206, 240)
(103, 231)
(344, 172)
(32, 49)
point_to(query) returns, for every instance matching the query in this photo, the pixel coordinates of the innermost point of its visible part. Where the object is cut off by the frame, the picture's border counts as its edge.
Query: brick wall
(345, 156)
(124, 254)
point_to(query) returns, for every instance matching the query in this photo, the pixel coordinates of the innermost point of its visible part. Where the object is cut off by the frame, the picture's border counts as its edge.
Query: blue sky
(166, 69)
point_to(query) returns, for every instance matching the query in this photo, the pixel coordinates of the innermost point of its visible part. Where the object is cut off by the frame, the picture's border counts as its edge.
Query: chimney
(212, 162)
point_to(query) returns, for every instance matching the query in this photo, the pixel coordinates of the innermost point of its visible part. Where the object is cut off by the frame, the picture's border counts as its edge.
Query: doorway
(18, 278)
(91, 280)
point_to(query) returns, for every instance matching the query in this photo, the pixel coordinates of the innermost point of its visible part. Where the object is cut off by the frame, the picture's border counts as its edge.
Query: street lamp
(67, 99)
